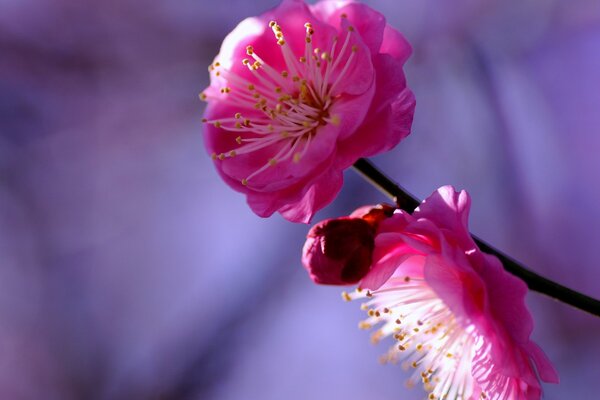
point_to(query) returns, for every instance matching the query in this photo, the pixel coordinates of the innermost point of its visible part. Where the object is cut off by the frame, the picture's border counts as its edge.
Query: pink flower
(339, 251)
(300, 93)
(458, 317)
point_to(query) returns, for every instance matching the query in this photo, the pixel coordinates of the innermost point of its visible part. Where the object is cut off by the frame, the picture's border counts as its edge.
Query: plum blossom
(458, 318)
(300, 93)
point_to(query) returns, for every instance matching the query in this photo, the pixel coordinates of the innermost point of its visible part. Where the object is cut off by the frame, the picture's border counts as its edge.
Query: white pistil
(287, 106)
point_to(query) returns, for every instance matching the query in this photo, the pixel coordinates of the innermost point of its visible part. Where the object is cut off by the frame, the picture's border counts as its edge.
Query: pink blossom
(339, 251)
(458, 317)
(300, 93)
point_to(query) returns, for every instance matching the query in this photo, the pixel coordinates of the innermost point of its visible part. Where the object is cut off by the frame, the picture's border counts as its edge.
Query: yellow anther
(284, 74)
(249, 50)
(307, 25)
(414, 364)
(272, 24)
(245, 61)
(376, 336)
(218, 73)
(272, 162)
(401, 348)
(278, 89)
(217, 124)
(302, 59)
(217, 64)
(354, 48)
(346, 296)
(251, 87)
(221, 156)
(364, 325)
(232, 153)
(336, 120)
(238, 115)
(238, 140)
(350, 28)
(202, 96)
(245, 182)
(281, 42)
(308, 40)
(238, 125)
(213, 156)
(297, 157)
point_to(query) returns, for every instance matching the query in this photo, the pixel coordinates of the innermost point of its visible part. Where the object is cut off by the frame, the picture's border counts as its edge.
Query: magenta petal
(321, 192)
(450, 211)
(543, 365)
(395, 45)
(383, 270)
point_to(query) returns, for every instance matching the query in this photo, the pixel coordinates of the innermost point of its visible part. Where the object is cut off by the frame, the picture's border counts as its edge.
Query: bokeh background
(128, 270)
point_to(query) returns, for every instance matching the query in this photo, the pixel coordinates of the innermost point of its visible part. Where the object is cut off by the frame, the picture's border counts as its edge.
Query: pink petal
(369, 23)
(395, 45)
(449, 210)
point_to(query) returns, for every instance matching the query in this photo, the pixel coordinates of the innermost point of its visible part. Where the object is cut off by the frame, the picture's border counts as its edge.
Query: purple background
(128, 270)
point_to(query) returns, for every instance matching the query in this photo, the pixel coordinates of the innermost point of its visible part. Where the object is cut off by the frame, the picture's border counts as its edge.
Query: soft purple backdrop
(128, 270)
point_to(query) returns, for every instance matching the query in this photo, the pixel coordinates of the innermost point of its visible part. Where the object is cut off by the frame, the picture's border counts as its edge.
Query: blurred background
(128, 270)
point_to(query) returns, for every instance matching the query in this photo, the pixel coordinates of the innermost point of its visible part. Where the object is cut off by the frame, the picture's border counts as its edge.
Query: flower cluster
(299, 94)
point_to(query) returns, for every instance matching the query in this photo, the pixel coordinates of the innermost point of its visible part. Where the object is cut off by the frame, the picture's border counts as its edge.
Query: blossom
(458, 318)
(300, 93)
(339, 251)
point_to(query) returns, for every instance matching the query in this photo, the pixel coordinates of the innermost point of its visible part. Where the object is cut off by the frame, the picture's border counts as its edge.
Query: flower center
(281, 109)
(429, 338)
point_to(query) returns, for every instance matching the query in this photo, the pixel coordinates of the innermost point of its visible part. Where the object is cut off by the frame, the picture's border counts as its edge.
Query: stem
(538, 283)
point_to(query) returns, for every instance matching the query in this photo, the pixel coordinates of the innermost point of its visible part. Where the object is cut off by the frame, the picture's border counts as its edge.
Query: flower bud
(339, 251)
